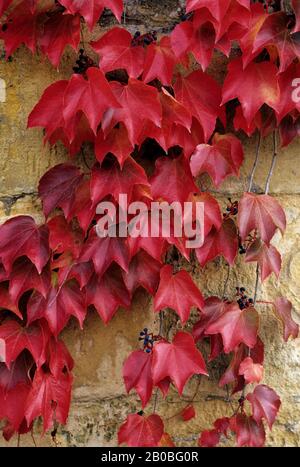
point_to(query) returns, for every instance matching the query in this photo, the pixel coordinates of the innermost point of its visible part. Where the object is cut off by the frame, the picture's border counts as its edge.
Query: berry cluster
(148, 340)
(144, 39)
(232, 209)
(83, 63)
(243, 301)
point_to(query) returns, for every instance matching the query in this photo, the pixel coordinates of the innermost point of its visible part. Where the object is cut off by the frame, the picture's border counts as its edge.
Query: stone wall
(99, 400)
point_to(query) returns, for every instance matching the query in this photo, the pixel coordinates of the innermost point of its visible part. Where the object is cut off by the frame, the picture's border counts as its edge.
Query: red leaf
(116, 143)
(159, 62)
(200, 93)
(140, 105)
(60, 359)
(140, 431)
(64, 237)
(137, 374)
(177, 291)
(59, 31)
(6, 302)
(261, 212)
(12, 406)
(252, 372)
(265, 404)
(92, 10)
(275, 33)
(104, 251)
(209, 438)
(212, 212)
(58, 307)
(268, 258)
(50, 398)
(116, 52)
(48, 112)
(283, 308)
(188, 413)
(93, 97)
(213, 308)
(249, 433)
(197, 36)
(22, 28)
(107, 294)
(15, 338)
(217, 8)
(223, 242)
(224, 157)
(231, 374)
(57, 188)
(258, 80)
(236, 326)
(20, 236)
(178, 360)
(178, 173)
(143, 271)
(24, 277)
(125, 179)
(286, 79)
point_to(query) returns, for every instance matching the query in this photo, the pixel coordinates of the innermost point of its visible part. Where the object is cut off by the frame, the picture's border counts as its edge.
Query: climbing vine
(156, 120)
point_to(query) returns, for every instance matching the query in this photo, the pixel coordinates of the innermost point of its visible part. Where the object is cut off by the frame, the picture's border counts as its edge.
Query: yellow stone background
(99, 400)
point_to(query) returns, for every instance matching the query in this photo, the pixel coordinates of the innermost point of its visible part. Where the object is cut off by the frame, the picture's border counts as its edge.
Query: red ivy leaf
(221, 159)
(116, 142)
(140, 431)
(178, 173)
(137, 374)
(258, 80)
(58, 186)
(261, 212)
(6, 302)
(91, 10)
(48, 112)
(265, 404)
(59, 31)
(177, 291)
(60, 304)
(104, 251)
(236, 326)
(275, 33)
(20, 236)
(159, 62)
(248, 431)
(268, 258)
(201, 94)
(116, 52)
(24, 277)
(93, 96)
(50, 398)
(107, 294)
(283, 308)
(178, 360)
(140, 105)
(15, 338)
(222, 242)
(143, 271)
(188, 413)
(22, 28)
(212, 212)
(252, 372)
(125, 179)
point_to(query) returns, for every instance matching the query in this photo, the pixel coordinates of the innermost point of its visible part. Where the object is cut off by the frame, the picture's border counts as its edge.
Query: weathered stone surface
(99, 402)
